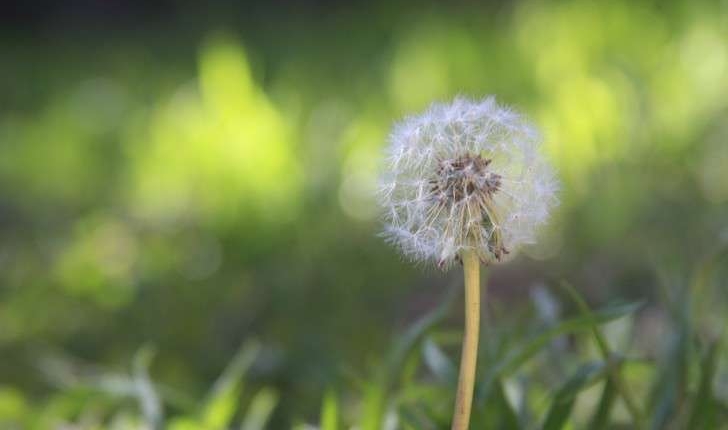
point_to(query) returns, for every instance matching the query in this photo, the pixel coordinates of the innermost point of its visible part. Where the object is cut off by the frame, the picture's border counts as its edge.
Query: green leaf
(373, 407)
(438, 362)
(509, 417)
(565, 397)
(376, 392)
(260, 409)
(600, 420)
(223, 400)
(516, 358)
(413, 418)
(146, 394)
(330, 411)
(669, 386)
(183, 423)
(615, 375)
(703, 415)
(417, 331)
(13, 405)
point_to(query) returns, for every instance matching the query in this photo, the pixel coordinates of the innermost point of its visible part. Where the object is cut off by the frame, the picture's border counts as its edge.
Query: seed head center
(464, 178)
(465, 186)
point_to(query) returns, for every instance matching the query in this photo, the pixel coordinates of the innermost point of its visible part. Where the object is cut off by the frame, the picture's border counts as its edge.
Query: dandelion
(465, 182)
(465, 176)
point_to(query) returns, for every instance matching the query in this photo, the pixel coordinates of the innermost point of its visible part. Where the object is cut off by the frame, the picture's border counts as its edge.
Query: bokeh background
(178, 179)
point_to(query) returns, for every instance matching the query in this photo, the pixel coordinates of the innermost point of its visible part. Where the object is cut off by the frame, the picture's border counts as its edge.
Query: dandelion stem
(469, 358)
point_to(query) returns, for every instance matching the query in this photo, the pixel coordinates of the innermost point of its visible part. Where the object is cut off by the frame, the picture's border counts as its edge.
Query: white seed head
(465, 176)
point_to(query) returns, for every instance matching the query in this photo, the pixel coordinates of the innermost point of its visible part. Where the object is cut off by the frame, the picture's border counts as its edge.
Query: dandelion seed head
(465, 176)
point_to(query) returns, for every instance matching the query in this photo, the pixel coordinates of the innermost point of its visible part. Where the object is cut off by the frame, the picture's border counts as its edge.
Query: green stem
(469, 358)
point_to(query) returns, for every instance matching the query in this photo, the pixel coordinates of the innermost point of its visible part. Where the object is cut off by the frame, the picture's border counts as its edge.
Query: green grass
(564, 374)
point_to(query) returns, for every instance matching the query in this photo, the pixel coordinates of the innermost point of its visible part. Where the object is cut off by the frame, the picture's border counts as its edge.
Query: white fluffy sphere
(465, 175)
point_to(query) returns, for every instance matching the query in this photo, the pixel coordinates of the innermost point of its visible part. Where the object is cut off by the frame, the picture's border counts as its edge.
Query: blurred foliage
(208, 180)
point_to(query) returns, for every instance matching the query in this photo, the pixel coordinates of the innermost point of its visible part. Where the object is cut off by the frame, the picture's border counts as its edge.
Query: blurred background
(178, 180)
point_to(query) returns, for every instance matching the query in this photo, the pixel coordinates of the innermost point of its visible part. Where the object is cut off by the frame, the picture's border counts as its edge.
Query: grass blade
(377, 391)
(148, 398)
(509, 417)
(565, 397)
(531, 347)
(222, 401)
(600, 421)
(703, 415)
(374, 406)
(260, 410)
(438, 362)
(417, 331)
(330, 411)
(615, 374)
(667, 392)
(411, 418)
